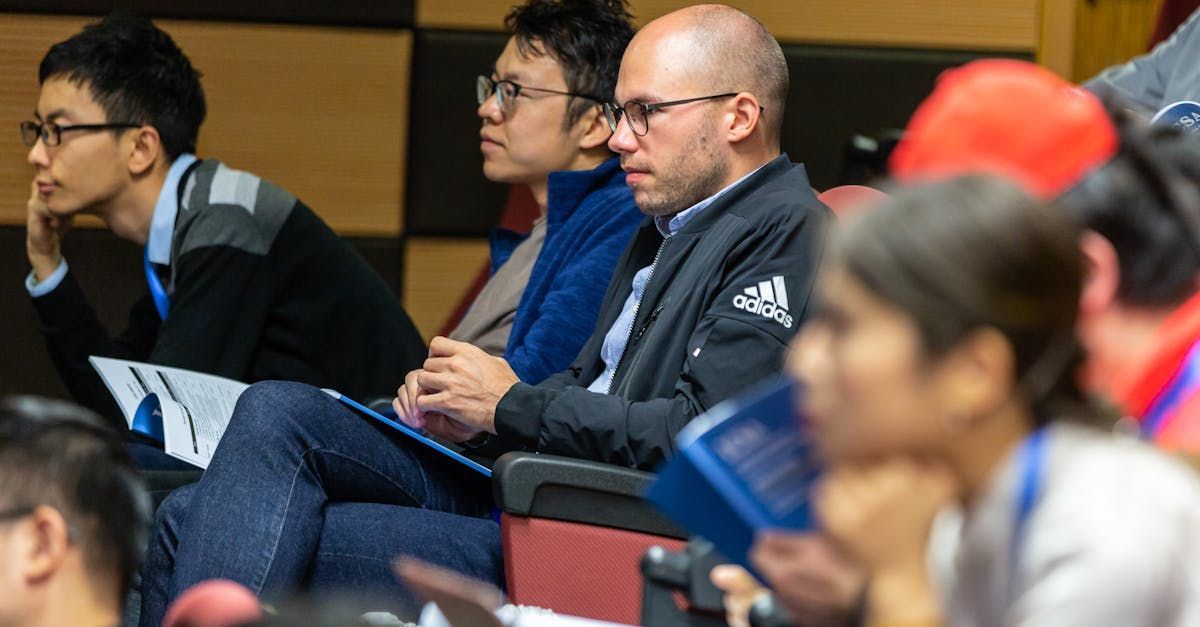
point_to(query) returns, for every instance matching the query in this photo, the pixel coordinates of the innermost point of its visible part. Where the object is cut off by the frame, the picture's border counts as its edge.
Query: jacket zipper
(646, 325)
(636, 306)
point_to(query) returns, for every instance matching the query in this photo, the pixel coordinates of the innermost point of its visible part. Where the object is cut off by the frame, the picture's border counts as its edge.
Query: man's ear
(1102, 274)
(745, 116)
(593, 127)
(145, 150)
(47, 541)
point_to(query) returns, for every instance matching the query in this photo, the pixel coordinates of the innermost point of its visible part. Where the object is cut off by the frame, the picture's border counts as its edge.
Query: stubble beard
(692, 176)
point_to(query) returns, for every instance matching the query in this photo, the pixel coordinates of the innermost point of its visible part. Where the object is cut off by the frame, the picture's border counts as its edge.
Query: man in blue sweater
(329, 495)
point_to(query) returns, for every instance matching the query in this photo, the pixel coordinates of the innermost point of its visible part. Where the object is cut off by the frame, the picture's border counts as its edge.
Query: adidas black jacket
(726, 296)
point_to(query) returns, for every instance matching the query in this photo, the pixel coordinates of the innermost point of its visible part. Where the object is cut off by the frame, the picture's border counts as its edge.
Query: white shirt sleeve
(45, 287)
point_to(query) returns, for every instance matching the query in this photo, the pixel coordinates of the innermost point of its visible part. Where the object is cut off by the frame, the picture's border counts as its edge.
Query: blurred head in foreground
(73, 516)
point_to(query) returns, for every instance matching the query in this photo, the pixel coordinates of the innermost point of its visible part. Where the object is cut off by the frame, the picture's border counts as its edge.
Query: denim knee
(271, 412)
(171, 513)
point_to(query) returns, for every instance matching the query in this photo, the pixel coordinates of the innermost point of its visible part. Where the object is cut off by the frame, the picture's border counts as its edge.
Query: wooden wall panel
(952, 24)
(1108, 32)
(321, 111)
(1079, 38)
(437, 272)
(23, 41)
(1056, 36)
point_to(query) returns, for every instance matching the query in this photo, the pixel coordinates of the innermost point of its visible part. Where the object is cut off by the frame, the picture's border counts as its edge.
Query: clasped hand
(455, 394)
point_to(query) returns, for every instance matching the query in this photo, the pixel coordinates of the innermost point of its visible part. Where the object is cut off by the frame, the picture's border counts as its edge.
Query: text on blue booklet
(742, 467)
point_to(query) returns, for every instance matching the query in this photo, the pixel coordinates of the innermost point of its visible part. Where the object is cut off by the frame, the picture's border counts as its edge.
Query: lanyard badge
(162, 302)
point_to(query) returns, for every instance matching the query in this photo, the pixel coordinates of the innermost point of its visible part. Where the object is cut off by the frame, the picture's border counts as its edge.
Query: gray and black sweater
(260, 289)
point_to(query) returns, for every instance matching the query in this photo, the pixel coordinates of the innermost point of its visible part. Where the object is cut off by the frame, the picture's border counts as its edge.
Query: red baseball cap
(1010, 118)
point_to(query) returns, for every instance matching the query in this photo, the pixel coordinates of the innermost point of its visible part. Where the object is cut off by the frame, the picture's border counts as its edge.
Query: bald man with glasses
(711, 289)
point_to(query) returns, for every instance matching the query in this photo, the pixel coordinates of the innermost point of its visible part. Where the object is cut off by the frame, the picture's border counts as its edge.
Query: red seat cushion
(576, 569)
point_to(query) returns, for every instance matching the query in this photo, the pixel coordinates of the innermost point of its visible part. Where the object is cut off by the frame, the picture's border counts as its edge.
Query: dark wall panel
(447, 193)
(390, 14)
(110, 271)
(837, 92)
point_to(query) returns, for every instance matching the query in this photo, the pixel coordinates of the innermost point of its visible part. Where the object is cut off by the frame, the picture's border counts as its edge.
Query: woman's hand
(880, 515)
(810, 576)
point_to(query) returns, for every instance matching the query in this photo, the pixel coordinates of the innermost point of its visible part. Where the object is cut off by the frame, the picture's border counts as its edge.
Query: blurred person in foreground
(1134, 188)
(936, 375)
(73, 516)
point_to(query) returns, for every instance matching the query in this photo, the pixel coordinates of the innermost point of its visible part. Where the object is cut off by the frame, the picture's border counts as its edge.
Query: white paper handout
(188, 411)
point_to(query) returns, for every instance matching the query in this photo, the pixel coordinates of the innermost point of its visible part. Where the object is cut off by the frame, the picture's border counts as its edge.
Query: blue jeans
(304, 493)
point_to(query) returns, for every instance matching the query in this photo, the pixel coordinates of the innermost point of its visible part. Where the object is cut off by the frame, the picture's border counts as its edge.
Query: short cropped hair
(1146, 202)
(137, 74)
(586, 37)
(57, 454)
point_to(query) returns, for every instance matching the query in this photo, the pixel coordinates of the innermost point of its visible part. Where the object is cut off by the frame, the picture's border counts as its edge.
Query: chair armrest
(575, 490)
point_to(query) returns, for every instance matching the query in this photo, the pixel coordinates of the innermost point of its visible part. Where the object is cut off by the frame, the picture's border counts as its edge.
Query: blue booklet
(742, 467)
(393, 421)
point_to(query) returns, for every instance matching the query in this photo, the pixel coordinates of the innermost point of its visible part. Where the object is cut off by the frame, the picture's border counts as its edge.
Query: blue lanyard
(162, 302)
(1033, 471)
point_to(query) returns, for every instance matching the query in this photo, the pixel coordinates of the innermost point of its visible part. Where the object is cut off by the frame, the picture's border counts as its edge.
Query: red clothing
(1162, 392)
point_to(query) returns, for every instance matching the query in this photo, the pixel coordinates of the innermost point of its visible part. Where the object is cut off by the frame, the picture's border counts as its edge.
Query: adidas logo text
(767, 299)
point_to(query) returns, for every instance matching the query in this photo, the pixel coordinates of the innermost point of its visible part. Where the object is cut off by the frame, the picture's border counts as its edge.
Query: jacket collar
(774, 168)
(567, 189)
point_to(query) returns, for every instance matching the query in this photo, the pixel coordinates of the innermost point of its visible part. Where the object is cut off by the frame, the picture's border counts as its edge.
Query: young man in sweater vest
(243, 280)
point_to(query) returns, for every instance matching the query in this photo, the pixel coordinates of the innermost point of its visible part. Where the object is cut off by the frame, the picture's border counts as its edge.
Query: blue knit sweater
(590, 217)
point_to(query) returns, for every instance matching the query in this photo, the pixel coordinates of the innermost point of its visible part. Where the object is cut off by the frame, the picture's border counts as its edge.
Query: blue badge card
(1184, 115)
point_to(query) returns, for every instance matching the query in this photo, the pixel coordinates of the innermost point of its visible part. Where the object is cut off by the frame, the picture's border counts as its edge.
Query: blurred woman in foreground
(940, 369)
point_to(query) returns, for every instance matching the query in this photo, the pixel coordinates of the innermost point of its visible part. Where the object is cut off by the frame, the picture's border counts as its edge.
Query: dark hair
(977, 252)
(1146, 202)
(57, 454)
(137, 74)
(586, 37)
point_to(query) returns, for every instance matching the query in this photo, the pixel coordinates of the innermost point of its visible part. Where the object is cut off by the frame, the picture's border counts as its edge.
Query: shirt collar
(669, 226)
(162, 224)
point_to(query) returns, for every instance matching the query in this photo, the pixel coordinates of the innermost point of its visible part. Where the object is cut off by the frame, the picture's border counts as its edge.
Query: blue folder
(423, 439)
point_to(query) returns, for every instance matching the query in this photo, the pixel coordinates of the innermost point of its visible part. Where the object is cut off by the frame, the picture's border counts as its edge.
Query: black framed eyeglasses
(506, 92)
(51, 133)
(636, 113)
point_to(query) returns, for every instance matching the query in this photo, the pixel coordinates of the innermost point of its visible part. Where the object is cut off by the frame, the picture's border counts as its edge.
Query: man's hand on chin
(463, 384)
(43, 235)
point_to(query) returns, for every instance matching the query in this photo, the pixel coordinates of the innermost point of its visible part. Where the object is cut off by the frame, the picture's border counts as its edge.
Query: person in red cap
(1135, 188)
